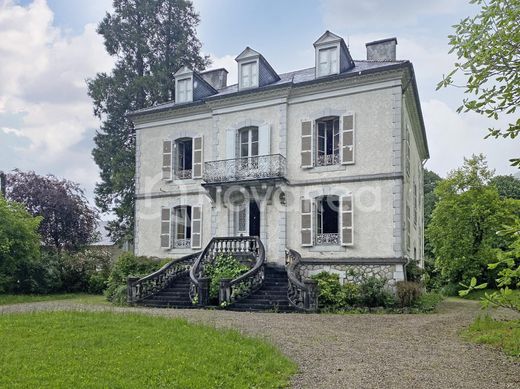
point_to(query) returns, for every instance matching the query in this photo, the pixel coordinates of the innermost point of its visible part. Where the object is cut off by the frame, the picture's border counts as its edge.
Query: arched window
(181, 227)
(327, 220)
(183, 158)
(327, 141)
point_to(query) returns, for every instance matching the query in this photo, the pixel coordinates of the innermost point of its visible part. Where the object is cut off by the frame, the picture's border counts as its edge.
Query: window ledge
(328, 168)
(327, 248)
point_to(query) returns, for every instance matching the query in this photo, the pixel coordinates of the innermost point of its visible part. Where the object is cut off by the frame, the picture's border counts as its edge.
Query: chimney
(217, 78)
(382, 50)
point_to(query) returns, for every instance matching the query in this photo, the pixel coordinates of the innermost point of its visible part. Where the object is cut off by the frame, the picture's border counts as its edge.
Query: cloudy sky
(49, 47)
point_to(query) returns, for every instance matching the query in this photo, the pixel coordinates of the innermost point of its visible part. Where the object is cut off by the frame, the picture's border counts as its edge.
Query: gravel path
(359, 351)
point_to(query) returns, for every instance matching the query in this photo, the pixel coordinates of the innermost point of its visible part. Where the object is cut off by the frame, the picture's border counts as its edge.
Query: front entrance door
(247, 219)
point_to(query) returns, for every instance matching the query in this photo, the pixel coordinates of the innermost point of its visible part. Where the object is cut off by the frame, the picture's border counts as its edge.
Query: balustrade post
(203, 291)
(310, 297)
(130, 292)
(224, 294)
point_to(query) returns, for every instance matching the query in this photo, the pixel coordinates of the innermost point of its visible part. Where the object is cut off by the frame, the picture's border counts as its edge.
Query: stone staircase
(176, 295)
(272, 296)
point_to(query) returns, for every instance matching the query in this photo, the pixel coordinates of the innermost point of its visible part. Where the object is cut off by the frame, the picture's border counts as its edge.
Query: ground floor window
(182, 226)
(327, 220)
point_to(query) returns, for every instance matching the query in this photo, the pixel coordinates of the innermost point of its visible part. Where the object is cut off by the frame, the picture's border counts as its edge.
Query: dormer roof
(247, 53)
(266, 74)
(328, 37)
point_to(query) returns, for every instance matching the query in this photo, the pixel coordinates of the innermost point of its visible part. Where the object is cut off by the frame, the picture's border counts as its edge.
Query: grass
(7, 299)
(114, 350)
(502, 334)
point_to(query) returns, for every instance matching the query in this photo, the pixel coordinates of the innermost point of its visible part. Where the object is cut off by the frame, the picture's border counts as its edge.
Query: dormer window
(249, 74)
(327, 61)
(184, 90)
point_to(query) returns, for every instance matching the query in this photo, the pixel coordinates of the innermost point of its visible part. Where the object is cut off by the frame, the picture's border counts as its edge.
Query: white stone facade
(377, 179)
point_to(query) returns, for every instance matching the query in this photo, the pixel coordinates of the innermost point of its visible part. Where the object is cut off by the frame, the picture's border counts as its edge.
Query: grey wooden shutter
(230, 143)
(347, 140)
(196, 227)
(167, 160)
(347, 220)
(306, 139)
(264, 139)
(306, 222)
(166, 228)
(198, 147)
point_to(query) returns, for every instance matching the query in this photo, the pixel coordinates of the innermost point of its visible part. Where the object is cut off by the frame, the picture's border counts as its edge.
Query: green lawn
(82, 298)
(116, 350)
(502, 334)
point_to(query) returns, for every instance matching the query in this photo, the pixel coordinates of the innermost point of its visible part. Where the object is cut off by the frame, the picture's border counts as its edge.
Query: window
(184, 155)
(416, 204)
(327, 220)
(182, 227)
(249, 75)
(327, 61)
(407, 150)
(184, 90)
(248, 148)
(327, 150)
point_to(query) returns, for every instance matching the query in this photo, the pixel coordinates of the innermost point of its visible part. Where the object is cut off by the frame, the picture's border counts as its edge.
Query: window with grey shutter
(264, 138)
(230, 143)
(167, 160)
(306, 147)
(196, 227)
(198, 160)
(347, 140)
(347, 220)
(166, 228)
(306, 222)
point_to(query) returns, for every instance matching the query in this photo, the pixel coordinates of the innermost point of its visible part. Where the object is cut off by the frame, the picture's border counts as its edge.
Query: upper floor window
(184, 90)
(328, 142)
(249, 75)
(327, 220)
(327, 61)
(184, 155)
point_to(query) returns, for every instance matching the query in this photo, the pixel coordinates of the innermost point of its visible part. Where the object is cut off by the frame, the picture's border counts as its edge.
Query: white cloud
(42, 80)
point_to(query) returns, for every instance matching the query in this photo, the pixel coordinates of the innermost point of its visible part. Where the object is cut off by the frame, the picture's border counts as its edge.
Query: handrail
(247, 283)
(302, 294)
(141, 288)
(199, 285)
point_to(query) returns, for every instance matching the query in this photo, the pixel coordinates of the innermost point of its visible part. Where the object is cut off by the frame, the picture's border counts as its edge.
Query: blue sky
(48, 48)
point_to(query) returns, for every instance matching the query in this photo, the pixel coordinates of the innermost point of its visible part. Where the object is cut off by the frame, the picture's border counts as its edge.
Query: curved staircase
(182, 282)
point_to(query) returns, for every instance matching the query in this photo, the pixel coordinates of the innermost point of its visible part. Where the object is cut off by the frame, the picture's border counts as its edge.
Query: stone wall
(355, 272)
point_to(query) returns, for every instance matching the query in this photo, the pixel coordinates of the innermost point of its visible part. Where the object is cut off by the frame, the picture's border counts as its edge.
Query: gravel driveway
(359, 351)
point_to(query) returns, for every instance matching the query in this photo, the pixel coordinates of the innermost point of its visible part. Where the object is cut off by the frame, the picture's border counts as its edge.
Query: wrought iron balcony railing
(248, 168)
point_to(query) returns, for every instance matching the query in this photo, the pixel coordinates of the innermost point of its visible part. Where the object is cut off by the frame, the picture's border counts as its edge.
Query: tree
(68, 221)
(150, 40)
(464, 223)
(488, 49)
(19, 245)
(431, 180)
(507, 186)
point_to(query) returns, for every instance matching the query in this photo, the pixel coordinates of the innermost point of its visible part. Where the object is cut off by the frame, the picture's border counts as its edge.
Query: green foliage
(464, 223)
(507, 186)
(128, 265)
(80, 298)
(428, 302)
(408, 293)
(431, 180)
(373, 293)
(334, 296)
(502, 334)
(487, 49)
(414, 273)
(89, 350)
(19, 248)
(149, 40)
(223, 267)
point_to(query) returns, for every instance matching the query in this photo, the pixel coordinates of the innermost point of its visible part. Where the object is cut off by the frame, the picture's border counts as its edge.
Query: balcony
(264, 167)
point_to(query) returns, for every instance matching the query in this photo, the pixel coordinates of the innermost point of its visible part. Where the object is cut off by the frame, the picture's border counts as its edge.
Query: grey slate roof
(297, 77)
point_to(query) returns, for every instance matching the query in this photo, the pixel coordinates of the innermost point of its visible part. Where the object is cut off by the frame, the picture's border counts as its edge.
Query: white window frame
(249, 71)
(180, 144)
(184, 90)
(336, 141)
(327, 60)
(181, 213)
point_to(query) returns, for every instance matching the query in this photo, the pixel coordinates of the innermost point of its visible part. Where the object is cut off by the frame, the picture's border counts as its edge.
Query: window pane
(254, 134)
(254, 148)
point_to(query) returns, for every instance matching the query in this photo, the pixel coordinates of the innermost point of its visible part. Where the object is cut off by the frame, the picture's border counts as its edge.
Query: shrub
(407, 293)
(428, 302)
(414, 272)
(128, 265)
(19, 249)
(223, 267)
(334, 296)
(373, 293)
